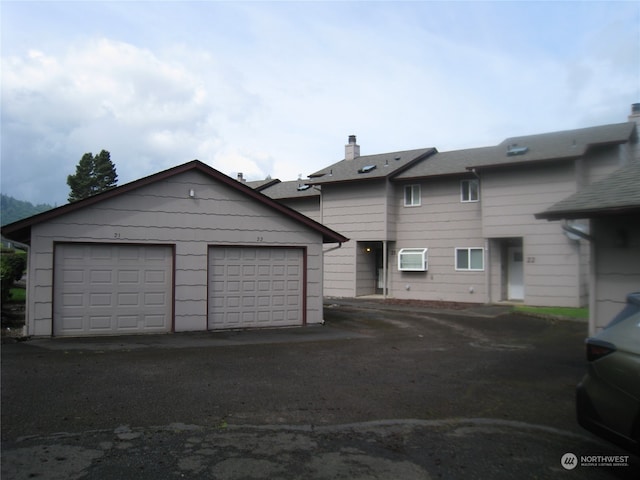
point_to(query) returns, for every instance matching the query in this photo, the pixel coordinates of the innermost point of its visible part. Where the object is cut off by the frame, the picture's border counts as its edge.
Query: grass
(577, 313)
(18, 295)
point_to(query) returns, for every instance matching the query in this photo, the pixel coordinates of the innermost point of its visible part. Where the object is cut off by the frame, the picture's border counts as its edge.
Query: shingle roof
(369, 167)
(291, 189)
(21, 230)
(260, 185)
(566, 145)
(616, 194)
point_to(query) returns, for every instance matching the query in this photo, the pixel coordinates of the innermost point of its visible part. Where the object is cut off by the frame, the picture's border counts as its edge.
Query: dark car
(608, 397)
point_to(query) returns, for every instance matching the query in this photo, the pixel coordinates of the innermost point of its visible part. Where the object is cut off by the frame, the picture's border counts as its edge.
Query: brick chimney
(352, 149)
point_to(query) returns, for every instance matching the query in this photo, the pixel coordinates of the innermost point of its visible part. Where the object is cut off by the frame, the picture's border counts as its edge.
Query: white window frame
(468, 268)
(415, 195)
(465, 187)
(422, 263)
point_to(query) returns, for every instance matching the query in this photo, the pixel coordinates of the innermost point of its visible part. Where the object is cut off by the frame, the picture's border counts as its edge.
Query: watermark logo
(569, 461)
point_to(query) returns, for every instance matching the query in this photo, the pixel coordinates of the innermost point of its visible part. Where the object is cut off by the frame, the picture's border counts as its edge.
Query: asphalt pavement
(380, 391)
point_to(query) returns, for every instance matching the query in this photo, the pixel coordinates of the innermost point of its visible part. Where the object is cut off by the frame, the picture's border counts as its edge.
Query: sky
(275, 88)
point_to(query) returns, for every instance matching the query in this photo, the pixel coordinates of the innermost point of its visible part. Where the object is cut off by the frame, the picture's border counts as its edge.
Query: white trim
(415, 198)
(468, 189)
(468, 250)
(422, 263)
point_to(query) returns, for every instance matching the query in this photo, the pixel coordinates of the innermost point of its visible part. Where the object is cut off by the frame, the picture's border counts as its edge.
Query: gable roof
(369, 167)
(616, 194)
(20, 231)
(554, 146)
(291, 190)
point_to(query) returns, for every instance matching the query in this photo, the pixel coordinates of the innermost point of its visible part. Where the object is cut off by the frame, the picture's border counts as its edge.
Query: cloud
(275, 89)
(149, 112)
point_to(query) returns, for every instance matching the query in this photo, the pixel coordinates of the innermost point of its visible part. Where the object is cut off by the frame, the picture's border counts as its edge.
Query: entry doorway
(370, 273)
(515, 273)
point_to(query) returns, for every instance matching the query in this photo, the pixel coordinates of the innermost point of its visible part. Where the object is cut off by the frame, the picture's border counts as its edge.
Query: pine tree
(93, 175)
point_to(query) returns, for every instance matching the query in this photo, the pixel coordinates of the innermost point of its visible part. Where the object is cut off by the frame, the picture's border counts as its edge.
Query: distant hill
(12, 210)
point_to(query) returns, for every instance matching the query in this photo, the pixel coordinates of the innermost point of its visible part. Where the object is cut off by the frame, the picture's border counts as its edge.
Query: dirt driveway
(378, 392)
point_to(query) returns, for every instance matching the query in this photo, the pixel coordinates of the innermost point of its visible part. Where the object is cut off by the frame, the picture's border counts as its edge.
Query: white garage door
(255, 287)
(103, 289)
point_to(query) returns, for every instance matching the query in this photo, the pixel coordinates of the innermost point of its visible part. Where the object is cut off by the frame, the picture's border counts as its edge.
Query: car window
(629, 310)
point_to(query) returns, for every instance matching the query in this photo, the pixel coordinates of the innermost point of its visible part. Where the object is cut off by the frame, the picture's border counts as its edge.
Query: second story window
(469, 190)
(412, 195)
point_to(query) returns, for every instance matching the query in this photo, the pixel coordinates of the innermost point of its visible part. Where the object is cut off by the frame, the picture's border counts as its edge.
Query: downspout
(318, 189)
(592, 272)
(386, 236)
(487, 271)
(592, 288)
(487, 251)
(384, 269)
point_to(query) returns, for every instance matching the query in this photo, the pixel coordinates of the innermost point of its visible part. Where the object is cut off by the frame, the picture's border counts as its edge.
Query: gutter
(332, 248)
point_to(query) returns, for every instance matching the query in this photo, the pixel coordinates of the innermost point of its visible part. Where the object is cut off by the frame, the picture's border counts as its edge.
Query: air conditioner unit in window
(413, 260)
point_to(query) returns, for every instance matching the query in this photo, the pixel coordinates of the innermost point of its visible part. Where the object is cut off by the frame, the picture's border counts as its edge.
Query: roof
(369, 167)
(20, 231)
(563, 145)
(261, 185)
(291, 190)
(614, 195)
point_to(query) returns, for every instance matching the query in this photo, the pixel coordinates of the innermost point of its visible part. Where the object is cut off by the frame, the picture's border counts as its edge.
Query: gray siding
(602, 162)
(553, 267)
(617, 257)
(441, 223)
(307, 206)
(359, 212)
(163, 214)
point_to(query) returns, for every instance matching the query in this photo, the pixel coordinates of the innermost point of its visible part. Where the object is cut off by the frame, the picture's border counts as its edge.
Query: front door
(515, 286)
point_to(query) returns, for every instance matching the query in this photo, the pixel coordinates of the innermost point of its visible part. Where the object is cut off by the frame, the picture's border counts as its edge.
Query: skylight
(303, 187)
(367, 169)
(516, 150)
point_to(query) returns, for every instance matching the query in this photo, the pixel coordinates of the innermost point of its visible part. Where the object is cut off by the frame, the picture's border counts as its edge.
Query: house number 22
(260, 239)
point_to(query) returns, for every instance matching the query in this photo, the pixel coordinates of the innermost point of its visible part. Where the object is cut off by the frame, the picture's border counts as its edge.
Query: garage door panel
(112, 289)
(255, 287)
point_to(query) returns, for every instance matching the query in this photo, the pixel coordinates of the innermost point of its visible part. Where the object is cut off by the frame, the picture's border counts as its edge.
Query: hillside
(12, 210)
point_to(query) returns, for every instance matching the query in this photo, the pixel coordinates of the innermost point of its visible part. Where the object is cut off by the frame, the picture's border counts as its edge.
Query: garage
(107, 289)
(186, 249)
(255, 287)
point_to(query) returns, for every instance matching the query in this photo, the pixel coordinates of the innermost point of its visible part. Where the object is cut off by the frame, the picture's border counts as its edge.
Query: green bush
(12, 266)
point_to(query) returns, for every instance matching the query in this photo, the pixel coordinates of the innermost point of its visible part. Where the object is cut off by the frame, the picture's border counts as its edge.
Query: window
(469, 190)
(413, 260)
(470, 259)
(412, 195)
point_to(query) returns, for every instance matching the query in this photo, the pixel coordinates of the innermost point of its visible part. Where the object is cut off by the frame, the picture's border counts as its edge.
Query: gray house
(476, 217)
(185, 249)
(460, 226)
(613, 207)
(357, 196)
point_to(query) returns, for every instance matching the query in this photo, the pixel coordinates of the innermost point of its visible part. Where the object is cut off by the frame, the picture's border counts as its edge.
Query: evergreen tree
(93, 175)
